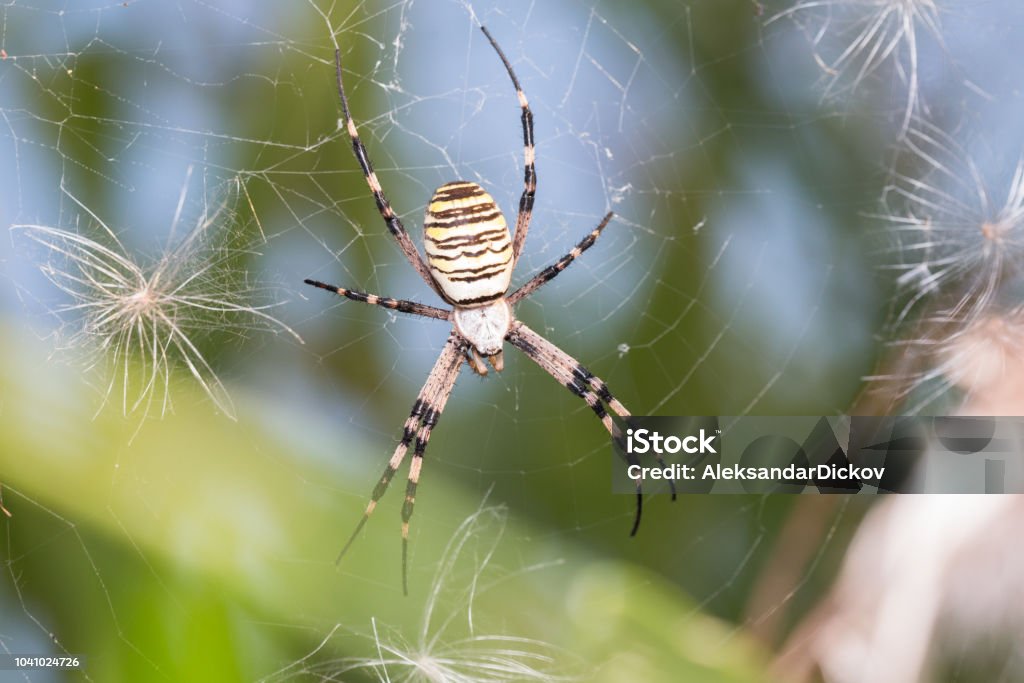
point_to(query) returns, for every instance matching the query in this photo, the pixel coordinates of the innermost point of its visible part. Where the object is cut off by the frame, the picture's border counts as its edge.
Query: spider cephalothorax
(470, 258)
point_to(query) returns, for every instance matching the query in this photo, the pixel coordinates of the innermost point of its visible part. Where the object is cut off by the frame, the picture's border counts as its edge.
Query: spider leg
(581, 382)
(529, 155)
(561, 359)
(425, 413)
(564, 369)
(549, 273)
(400, 305)
(451, 358)
(393, 222)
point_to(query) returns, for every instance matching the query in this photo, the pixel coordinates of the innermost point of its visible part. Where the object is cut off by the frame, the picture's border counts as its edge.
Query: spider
(470, 257)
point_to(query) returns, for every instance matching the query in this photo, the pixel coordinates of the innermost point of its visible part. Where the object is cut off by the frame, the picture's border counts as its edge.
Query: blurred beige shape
(922, 569)
(985, 363)
(928, 575)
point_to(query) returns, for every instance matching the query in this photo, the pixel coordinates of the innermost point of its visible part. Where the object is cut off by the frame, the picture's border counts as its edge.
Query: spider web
(739, 145)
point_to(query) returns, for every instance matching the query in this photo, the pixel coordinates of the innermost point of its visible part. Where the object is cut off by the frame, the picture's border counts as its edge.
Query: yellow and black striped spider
(470, 258)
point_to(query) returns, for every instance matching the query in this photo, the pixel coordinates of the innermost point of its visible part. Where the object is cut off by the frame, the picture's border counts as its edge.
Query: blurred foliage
(194, 548)
(201, 549)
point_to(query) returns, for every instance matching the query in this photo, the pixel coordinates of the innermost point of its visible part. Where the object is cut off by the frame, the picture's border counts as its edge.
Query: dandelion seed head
(142, 301)
(992, 231)
(451, 646)
(956, 225)
(141, 322)
(855, 40)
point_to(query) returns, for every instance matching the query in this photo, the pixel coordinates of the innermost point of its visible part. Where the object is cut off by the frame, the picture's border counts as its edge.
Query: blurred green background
(741, 275)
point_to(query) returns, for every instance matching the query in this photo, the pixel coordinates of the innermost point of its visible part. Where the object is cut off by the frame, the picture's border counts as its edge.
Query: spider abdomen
(468, 245)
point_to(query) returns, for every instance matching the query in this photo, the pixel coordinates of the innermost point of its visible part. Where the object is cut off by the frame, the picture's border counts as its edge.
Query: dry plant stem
(893, 378)
(798, 543)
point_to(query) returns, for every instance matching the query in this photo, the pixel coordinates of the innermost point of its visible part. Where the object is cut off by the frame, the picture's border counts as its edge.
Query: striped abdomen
(469, 249)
